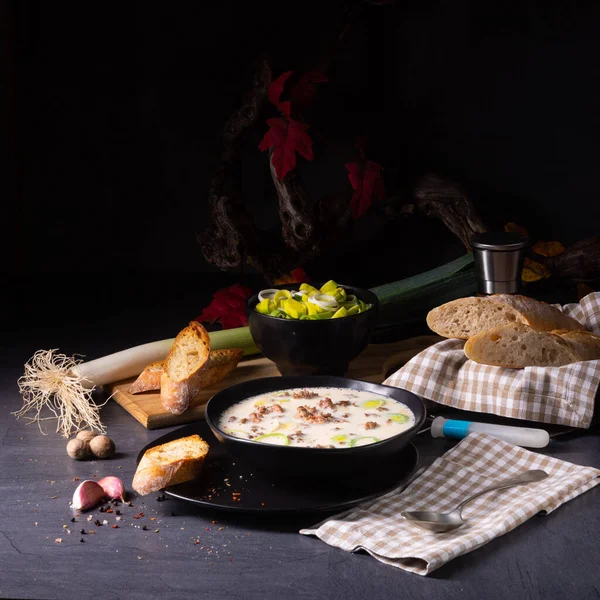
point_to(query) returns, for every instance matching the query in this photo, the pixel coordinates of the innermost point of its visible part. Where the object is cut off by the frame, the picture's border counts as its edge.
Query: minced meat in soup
(319, 417)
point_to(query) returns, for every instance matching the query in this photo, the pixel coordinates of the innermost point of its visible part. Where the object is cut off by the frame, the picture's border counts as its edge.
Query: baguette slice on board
(465, 317)
(518, 346)
(220, 364)
(170, 463)
(184, 367)
(149, 379)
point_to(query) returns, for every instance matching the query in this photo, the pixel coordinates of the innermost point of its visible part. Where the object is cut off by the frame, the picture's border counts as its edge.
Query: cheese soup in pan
(317, 417)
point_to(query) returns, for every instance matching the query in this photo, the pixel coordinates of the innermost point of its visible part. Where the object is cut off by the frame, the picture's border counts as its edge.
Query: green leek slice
(237, 433)
(361, 441)
(398, 417)
(330, 287)
(373, 403)
(279, 439)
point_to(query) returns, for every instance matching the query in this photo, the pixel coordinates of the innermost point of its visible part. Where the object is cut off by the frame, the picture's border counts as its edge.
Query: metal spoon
(441, 522)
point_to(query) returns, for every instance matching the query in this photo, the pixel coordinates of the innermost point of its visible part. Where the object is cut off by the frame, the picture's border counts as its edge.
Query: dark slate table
(186, 552)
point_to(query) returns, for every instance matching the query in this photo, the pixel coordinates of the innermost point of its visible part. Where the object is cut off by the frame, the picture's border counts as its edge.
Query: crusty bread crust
(466, 317)
(220, 364)
(183, 367)
(517, 346)
(170, 463)
(538, 315)
(149, 379)
(584, 343)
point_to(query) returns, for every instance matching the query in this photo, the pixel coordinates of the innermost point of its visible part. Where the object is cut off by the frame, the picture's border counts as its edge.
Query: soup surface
(317, 417)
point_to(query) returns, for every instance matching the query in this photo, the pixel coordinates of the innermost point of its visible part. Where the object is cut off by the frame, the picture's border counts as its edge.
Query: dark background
(115, 113)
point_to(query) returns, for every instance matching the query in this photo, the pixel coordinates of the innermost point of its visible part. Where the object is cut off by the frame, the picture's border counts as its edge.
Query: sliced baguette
(149, 379)
(170, 463)
(517, 346)
(220, 364)
(465, 317)
(183, 368)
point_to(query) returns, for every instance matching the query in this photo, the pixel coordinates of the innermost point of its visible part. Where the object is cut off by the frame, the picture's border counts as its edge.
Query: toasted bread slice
(220, 364)
(149, 379)
(465, 317)
(170, 463)
(184, 367)
(517, 346)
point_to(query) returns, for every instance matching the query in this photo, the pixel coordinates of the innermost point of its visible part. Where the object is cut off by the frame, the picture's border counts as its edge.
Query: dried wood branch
(233, 232)
(299, 227)
(438, 197)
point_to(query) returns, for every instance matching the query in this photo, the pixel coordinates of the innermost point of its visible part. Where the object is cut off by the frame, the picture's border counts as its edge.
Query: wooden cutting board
(374, 364)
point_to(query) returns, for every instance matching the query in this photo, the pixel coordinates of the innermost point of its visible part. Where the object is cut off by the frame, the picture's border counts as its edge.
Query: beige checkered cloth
(475, 463)
(558, 395)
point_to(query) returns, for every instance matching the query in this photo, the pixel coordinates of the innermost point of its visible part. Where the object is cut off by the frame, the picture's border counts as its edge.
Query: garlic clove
(113, 487)
(87, 495)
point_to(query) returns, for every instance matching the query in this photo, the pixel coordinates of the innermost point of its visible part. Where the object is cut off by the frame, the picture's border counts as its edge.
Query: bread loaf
(465, 317)
(517, 346)
(183, 368)
(220, 364)
(170, 463)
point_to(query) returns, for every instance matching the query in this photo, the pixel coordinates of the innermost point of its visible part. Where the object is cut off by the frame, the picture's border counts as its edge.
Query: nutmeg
(78, 449)
(86, 434)
(102, 446)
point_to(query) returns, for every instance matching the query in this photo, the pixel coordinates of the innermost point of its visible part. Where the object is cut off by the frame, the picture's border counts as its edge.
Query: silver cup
(499, 260)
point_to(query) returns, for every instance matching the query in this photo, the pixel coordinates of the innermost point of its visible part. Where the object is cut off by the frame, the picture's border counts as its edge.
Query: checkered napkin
(476, 462)
(558, 395)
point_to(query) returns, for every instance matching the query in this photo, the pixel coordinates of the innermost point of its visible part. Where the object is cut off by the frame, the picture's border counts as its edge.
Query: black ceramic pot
(294, 461)
(313, 347)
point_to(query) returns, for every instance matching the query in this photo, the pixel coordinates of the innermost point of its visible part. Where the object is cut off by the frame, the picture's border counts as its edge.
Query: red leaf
(297, 275)
(367, 182)
(287, 137)
(276, 89)
(304, 91)
(227, 306)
